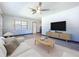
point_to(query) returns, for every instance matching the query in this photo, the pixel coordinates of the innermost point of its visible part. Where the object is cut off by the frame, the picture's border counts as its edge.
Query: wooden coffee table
(46, 42)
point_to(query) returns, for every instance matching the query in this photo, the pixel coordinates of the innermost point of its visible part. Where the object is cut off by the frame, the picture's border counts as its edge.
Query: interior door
(34, 28)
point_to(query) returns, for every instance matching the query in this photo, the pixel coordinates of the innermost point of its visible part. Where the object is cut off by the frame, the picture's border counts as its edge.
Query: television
(58, 26)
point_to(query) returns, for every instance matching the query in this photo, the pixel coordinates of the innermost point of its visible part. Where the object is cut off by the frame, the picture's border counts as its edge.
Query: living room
(30, 24)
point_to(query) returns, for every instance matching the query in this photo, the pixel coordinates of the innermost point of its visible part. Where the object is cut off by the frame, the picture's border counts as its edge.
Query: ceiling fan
(38, 9)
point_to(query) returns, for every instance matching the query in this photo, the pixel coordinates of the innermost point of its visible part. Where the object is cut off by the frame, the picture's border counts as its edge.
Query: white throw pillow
(2, 40)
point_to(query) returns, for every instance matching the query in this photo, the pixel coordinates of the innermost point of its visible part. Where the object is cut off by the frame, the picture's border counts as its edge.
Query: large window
(21, 26)
(17, 25)
(24, 25)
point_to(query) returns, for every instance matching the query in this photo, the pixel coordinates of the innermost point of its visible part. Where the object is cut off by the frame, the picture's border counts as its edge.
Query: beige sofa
(23, 50)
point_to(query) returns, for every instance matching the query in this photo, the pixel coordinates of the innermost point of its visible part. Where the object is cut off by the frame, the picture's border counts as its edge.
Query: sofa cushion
(20, 39)
(11, 44)
(30, 53)
(10, 47)
(20, 49)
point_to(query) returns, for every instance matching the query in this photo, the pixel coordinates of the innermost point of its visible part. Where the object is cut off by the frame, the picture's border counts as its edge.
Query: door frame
(32, 27)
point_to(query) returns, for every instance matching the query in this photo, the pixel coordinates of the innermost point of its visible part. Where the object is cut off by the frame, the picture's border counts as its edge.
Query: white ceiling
(22, 8)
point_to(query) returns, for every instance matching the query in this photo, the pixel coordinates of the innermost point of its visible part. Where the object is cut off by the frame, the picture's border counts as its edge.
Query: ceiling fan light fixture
(38, 12)
(38, 9)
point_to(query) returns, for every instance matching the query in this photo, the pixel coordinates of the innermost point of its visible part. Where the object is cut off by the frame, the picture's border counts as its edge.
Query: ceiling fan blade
(34, 12)
(32, 9)
(40, 4)
(44, 9)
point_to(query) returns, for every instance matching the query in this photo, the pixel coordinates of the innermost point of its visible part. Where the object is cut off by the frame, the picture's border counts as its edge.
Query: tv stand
(59, 35)
(58, 32)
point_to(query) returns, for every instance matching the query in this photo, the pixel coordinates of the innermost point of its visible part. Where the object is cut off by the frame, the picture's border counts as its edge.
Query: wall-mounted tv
(58, 26)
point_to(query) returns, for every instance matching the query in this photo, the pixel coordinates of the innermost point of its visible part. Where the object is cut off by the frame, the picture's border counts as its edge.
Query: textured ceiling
(22, 8)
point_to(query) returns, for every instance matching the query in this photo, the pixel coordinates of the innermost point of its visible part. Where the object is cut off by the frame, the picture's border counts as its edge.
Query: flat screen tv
(58, 26)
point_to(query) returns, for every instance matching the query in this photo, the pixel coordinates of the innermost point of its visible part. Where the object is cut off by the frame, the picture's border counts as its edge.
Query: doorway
(34, 27)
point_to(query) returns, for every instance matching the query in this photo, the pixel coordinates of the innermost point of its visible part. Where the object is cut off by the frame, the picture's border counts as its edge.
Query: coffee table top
(45, 42)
